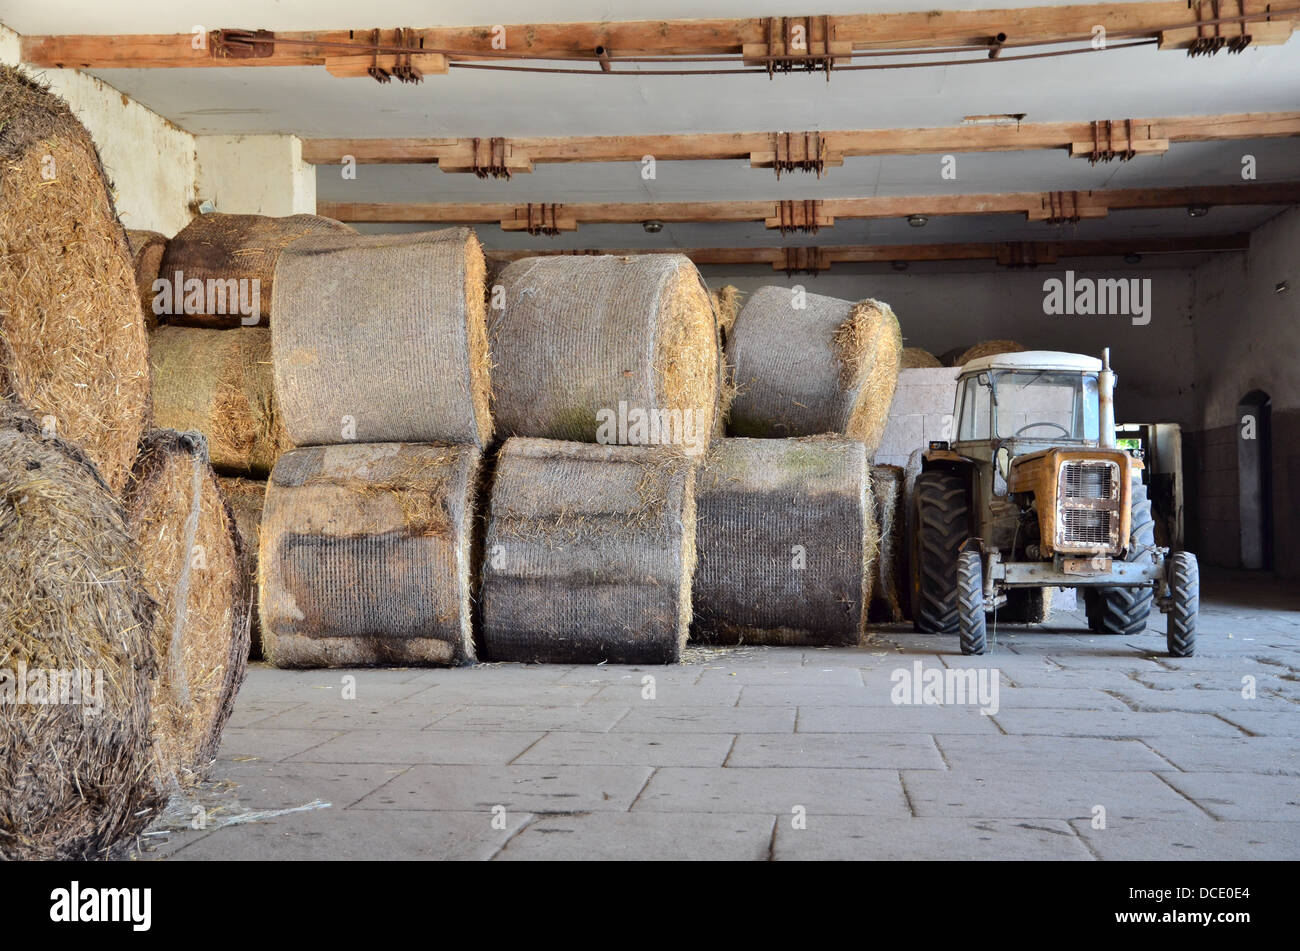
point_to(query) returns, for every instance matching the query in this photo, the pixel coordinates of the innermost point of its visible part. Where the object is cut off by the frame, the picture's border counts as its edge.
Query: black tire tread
(942, 526)
(970, 603)
(1185, 603)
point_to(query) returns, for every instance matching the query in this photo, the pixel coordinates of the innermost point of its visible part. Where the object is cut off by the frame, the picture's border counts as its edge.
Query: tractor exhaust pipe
(1106, 401)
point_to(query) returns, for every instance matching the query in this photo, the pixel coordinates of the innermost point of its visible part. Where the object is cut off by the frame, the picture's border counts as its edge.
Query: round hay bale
(366, 556)
(382, 338)
(73, 348)
(950, 358)
(786, 542)
(588, 554)
(74, 776)
(147, 249)
(216, 249)
(220, 383)
(726, 301)
(827, 367)
(890, 576)
(988, 348)
(914, 358)
(616, 350)
(246, 498)
(193, 566)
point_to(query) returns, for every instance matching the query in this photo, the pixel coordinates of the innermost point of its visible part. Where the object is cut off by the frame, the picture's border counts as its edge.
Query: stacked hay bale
(889, 597)
(72, 336)
(382, 338)
(787, 540)
(220, 383)
(606, 349)
(986, 348)
(366, 556)
(234, 254)
(147, 249)
(914, 358)
(726, 301)
(807, 364)
(588, 555)
(75, 781)
(193, 566)
(246, 498)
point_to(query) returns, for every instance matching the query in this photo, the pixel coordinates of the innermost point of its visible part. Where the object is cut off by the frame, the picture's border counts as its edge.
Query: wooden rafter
(1165, 20)
(1150, 136)
(1038, 206)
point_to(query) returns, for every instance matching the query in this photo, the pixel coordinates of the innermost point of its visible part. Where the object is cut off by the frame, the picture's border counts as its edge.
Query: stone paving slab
(540, 789)
(861, 792)
(1259, 723)
(1265, 755)
(1057, 698)
(858, 838)
(820, 675)
(517, 693)
(676, 718)
(624, 749)
(1193, 839)
(481, 747)
(584, 718)
(643, 836)
(1044, 793)
(1095, 723)
(966, 753)
(892, 751)
(1241, 796)
(357, 715)
(1195, 700)
(899, 719)
(270, 745)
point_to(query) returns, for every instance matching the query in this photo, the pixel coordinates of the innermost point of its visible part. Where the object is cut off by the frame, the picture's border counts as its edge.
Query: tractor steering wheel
(1064, 431)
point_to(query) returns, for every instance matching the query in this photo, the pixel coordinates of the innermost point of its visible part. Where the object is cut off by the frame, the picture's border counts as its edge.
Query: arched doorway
(1255, 480)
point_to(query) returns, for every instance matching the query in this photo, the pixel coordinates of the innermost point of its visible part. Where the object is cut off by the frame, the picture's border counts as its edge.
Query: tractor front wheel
(1184, 604)
(970, 603)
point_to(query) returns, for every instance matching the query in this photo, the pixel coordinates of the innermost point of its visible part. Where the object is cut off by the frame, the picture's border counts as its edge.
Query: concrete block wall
(921, 412)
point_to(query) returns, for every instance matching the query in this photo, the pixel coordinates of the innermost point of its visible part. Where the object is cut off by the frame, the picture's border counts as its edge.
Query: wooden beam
(857, 32)
(1036, 206)
(1041, 251)
(1150, 136)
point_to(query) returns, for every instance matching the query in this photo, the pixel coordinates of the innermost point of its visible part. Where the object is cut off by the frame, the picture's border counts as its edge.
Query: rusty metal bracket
(406, 42)
(1062, 208)
(803, 261)
(794, 217)
(241, 44)
(1103, 142)
(792, 43)
(1025, 254)
(490, 158)
(802, 151)
(543, 219)
(1210, 37)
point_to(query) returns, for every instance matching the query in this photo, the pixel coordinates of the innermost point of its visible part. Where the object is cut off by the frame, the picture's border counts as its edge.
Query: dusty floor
(1100, 748)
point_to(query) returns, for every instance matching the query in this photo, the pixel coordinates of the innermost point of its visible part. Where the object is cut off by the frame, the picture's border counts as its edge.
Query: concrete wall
(940, 311)
(255, 174)
(150, 161)
(921, 412)
(1248, 338)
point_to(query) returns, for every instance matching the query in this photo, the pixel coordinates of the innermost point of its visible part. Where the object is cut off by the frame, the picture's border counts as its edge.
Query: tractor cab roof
(1033, 360)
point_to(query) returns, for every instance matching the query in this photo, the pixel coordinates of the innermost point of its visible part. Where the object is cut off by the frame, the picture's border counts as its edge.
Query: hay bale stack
(193, 566)
(888, 601)
(786, 541)
(73, 348)
(914, 358)
(147, 249)
(246, 498)
(74, 779)
(726, 301)
(239, 248)
(581, 335)
(366, 556)
(385, 332)
(220, 383)
(827, 367)
(589, 554)
(987, 348)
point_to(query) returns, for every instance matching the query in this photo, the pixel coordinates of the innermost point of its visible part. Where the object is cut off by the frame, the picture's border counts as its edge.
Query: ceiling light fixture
(918, 221)
(1132, 258)
(899, 265)
(1198, 211)
(653, 226)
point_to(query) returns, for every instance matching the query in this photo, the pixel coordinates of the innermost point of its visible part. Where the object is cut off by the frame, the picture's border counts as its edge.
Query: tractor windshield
(1043, 405)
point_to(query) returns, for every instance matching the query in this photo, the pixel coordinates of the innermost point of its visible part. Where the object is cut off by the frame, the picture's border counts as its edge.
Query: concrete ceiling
(308, 102)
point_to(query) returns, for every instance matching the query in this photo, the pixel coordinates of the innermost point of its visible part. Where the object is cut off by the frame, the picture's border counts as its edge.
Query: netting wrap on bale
(615, 350)
(366, 556)
(147, 249)
(220, 269)
(889, 593)
(75, 656)
(245, 498)
(72, 335)
(193, 565)
(987, 348)
(588, 554)
(382, 339)
(220, 383)
(807, 364)
(786, 542)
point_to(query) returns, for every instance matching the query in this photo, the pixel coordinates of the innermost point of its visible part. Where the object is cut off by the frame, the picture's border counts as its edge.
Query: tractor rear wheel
(1124, 611)
(942, 526)
(1184, 604)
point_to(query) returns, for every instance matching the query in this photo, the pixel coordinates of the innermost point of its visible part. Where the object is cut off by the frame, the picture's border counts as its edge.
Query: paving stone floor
(1099, 748)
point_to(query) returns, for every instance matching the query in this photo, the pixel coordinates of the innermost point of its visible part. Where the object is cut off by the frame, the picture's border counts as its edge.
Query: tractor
(1031, 494)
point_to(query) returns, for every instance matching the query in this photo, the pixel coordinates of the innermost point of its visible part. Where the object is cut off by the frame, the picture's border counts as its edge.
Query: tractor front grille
(1088, 480)
(1085, 528)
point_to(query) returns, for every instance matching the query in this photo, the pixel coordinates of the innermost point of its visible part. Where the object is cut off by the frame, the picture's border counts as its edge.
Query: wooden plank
(865, 31)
